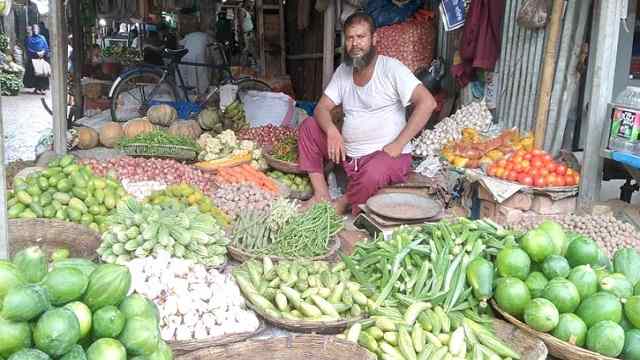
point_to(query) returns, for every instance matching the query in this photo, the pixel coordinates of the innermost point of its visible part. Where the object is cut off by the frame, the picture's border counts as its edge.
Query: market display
(11, 74)
(66, 190)
(236, 198)
(246, 174)
(138, 230)
(225, 146)
(609, 232)
(474, 150)
(534, 168)
(473, 116)
(167, 171)
(76, 326)
(194, 303)
(297, 183)
(267, 135)
(296, 235)
(191, 196)
(299, 290)
(565, 285)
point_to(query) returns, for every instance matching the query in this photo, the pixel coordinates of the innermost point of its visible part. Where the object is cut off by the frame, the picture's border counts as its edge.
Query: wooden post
(4, 229)
(548, 71)
(283, 43)
(329, 38)
(58, 75)
(260, 37)
(606, 24)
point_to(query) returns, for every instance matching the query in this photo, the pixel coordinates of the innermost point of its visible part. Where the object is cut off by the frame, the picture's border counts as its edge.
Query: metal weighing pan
(404, 206)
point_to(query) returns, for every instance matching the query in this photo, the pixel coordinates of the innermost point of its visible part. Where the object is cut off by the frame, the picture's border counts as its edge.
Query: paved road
(24, 121)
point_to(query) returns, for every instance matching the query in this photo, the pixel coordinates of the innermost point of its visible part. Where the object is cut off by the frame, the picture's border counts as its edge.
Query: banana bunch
(234, 117)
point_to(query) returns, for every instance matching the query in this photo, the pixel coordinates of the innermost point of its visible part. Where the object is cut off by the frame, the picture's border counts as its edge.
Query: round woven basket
(284, 166)
(306, 326)
(242, 256)
(557, 348)
(184, 347)
(294, 347)
(80, 240)
(529, 347)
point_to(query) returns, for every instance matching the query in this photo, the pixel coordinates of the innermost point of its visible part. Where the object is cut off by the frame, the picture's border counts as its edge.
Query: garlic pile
(142, 189)
(475, 115)
(194, 303)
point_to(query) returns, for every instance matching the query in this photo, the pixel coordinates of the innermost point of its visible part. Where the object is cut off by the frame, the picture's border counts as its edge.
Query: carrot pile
(246, 173)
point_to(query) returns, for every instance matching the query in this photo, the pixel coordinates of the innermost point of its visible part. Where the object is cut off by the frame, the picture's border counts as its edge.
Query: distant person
(167, 37)
(44, 32)
(37, 48)
(196, 42)
(134, 38)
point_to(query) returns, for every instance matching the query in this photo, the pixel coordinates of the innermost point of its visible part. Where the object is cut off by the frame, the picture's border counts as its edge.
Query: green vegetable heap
(66, 191)
(138, 230)
(159, 137)
(75, 310)
(287, 149)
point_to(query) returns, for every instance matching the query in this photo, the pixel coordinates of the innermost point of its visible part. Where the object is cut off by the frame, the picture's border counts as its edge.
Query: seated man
(373, 148)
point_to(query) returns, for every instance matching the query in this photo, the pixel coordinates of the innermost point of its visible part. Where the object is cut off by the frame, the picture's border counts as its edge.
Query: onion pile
(161, 170)
(236, 198)
(267, 135)
(610, 233)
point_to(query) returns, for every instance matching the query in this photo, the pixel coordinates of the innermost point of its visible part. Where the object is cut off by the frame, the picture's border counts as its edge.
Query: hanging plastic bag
(533, 14)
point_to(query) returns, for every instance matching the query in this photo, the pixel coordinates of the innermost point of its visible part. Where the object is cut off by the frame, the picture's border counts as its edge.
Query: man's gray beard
(360, 62)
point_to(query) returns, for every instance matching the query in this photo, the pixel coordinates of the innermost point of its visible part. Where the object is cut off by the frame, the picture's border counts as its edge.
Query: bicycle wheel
(137, 92)
(247, 84)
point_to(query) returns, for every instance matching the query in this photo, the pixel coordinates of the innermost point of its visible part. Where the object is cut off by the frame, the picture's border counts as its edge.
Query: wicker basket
(306, 326)
(529, 347)
(164, 151)
(80, 240)
(557, 348)
(242, 256)
(284, 166)
(293, 347)
(183, 347)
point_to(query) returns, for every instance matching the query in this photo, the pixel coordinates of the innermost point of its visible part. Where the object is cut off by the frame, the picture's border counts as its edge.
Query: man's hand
(335, 146)
(394, 150)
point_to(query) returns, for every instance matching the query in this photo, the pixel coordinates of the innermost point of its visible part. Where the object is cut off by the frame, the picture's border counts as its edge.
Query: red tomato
(527, 180)
(502, 163)
(546, 158)
(534, 172)
(537, 163)
(517, 158)
(561, 170)
(508, 166)
(561, 181)
(517, 167)
(544, 172)
(491, 171)
(570, 171)
(527, 156)
(551, 179)
(576, 179)
(512, 176)
(539, 181)
(526, 164)
(551, 167)
(537, 152)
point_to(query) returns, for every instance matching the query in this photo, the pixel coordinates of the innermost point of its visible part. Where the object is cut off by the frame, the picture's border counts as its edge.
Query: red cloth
(367, 175)
(481, 39)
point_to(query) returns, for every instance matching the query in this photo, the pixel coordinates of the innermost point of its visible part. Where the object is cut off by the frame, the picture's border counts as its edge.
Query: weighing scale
(375, 224)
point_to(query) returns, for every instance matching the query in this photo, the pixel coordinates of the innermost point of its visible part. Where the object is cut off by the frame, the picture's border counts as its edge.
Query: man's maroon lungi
(367, 174)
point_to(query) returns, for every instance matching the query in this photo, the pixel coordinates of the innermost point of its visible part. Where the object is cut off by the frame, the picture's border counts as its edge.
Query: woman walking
(37, 68)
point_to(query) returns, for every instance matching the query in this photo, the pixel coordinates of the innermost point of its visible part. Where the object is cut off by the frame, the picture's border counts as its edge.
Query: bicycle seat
(177, 54)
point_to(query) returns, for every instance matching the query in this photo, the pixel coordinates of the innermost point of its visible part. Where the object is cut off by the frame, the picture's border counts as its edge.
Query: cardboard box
(506, 215)
(487, 209)
(544, 205)
(519, 200)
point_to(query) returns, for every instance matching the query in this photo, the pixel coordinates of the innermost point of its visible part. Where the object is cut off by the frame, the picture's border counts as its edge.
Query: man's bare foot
(314, 200)
(341, 205)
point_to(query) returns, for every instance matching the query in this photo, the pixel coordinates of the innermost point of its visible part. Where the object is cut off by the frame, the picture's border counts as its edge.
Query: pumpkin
(110, 134)
(188, 128)
(87, 138)
(209, 118)
(137, 126)
(163, 115)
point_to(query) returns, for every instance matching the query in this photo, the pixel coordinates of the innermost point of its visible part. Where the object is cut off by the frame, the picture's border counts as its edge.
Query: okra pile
(430, 263)
(302, 290)
(423, 332)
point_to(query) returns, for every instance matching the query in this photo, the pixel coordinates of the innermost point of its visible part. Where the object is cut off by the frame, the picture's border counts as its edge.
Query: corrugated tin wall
(519, 71)
(520, 67)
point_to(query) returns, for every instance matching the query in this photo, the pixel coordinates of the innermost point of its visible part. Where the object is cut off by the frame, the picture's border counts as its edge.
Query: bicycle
(146, 85)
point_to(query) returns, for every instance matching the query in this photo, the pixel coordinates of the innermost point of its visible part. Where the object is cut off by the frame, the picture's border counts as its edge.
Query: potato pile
(606, 230)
